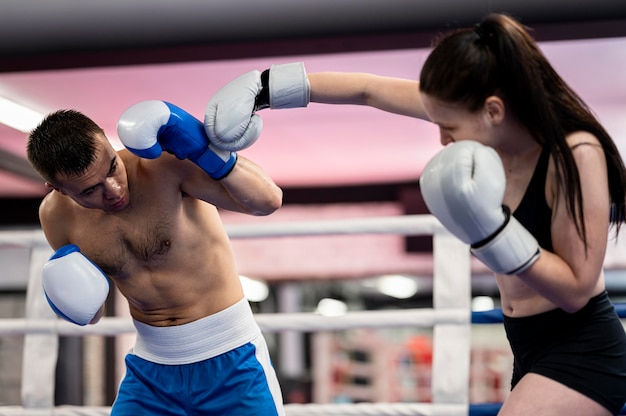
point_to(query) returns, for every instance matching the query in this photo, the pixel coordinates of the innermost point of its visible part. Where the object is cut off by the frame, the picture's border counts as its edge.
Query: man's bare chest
(120, 244)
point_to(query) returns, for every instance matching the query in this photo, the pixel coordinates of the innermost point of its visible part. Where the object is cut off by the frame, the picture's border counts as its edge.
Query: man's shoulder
(53, 215)
(162, 172)
(54, 204)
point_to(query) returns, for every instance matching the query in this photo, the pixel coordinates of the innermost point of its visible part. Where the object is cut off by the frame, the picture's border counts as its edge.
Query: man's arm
(226, 180)
(247, 188)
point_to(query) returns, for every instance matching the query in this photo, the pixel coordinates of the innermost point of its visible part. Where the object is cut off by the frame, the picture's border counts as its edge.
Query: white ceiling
(88, 56)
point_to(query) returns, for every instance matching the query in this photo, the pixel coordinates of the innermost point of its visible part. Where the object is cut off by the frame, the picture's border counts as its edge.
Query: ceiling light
(18, 117)
(254, 290)
(482, 303)
(331, 307)
(397, 286)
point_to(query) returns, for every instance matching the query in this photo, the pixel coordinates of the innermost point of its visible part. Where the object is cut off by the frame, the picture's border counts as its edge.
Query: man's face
(104, 185)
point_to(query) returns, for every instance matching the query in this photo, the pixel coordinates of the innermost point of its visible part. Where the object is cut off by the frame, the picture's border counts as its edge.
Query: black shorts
(585, 351)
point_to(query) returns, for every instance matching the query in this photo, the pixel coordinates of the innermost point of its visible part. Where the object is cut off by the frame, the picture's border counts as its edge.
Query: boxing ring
(450, 318)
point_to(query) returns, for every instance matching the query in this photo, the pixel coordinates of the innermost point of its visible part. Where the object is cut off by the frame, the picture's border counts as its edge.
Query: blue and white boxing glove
(463, 186)
(230, 120)
(75, 287)
(149, 127)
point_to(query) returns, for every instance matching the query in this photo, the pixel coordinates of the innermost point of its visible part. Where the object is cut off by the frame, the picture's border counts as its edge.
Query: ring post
(40, 350)
(451, 291)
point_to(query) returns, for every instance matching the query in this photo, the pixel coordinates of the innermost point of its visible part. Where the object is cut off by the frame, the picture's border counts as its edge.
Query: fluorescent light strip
(18, 117)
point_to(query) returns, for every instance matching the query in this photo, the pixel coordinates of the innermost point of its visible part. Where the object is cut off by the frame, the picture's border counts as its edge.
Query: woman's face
(456, 123)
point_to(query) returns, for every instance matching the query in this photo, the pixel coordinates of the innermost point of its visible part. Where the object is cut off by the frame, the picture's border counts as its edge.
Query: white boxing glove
(230, 121)
(463, 186)
(75, 287)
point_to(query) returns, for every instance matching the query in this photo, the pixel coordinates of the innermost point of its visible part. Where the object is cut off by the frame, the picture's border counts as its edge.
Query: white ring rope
(359, 409)
(343, 409)
(375, 409)
(276, 322)
(365, 319)
(402, 225)
(57, 411)
(26, 238)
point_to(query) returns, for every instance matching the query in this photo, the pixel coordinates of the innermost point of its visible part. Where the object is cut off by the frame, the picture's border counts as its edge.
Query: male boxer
(146, 218)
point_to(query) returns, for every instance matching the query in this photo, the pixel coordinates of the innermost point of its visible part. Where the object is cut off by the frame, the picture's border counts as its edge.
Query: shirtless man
(151, 225)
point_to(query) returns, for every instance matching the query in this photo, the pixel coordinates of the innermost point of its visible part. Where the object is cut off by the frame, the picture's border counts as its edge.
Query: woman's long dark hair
(499, 57)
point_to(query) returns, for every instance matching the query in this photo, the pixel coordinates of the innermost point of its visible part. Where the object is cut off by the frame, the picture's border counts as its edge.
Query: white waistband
(198, 340)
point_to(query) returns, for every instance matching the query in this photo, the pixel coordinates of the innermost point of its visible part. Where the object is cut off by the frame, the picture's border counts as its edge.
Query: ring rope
(399, 225)
(375, 409)
(297, 322)
(344, 409)
(26, 238)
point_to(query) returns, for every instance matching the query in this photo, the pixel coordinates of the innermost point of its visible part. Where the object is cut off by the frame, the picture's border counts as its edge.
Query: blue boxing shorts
(218, 365)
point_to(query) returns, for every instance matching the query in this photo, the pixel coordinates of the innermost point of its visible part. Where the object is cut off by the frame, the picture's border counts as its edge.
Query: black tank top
(533, 212)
